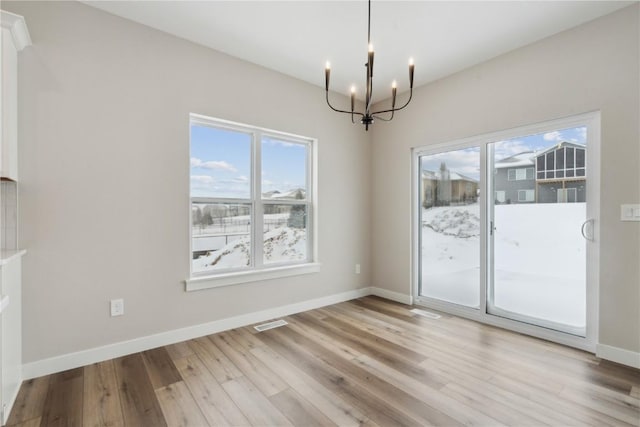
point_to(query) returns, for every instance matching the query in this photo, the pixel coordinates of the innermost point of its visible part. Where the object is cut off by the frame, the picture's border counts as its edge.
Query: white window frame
(259, 271)
(519, 174)
(529, 195)
(563, 195)
(592, 122)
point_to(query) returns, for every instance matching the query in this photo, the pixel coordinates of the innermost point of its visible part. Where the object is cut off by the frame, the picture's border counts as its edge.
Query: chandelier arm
(383, 119)
(396, 109)
(342, 111)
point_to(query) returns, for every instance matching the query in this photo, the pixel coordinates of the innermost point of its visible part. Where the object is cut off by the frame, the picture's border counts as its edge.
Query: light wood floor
(363, 362)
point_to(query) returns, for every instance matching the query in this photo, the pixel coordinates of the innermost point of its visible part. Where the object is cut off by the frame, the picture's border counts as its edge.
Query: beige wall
(104, 175)
(591, 67)
(104, 107)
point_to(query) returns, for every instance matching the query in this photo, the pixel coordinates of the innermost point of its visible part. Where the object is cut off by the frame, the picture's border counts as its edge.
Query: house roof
(453, 176)
(561, 144)
(521, 159)
(526, 158)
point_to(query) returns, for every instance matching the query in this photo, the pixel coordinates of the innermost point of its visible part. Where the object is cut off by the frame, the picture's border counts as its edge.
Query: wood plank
(464, 414)
(528, 408)
(214, 359)
(245, 338)
(179, 350)
(101, 396)
(259, 374)
(328, 342)
(298, 410)
(160, 367)
(331, 405)
(380, 401)
(30, 400)
(368, 362)
(33, 422)
(140, 405)
(213, 401)
(63, 405)
(179, 407)
(529, 391)
(253, 404)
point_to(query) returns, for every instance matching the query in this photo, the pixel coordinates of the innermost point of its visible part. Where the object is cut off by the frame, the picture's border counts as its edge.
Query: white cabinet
(11, 329)
(15, 37)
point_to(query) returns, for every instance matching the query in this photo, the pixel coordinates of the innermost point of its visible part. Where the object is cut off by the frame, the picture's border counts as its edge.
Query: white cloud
(282, 143)
(582, 133)
(212, 164)
(241, 179)
(202, 179)
(553, 136)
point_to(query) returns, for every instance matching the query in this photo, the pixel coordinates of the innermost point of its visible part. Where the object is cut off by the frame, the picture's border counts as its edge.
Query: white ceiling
(297, 37)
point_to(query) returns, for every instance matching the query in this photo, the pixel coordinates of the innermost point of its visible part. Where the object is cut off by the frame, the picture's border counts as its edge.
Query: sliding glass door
(538, 272)
(505, 228)
(450, 226)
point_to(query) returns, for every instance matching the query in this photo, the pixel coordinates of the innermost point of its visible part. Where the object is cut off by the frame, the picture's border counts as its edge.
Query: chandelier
(368, 116)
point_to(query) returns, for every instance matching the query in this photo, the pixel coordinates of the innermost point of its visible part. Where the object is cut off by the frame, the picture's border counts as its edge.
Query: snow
(521, 159)
(539, 256)
(280, 244)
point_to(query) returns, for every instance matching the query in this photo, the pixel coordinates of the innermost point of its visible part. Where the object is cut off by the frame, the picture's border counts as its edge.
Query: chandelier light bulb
(368, 115)
(328, 65)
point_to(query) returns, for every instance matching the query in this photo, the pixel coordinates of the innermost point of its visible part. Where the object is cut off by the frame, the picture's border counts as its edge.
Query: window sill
(219, 280)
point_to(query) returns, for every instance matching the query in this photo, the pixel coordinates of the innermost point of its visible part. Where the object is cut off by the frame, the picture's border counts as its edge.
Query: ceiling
(297, 37)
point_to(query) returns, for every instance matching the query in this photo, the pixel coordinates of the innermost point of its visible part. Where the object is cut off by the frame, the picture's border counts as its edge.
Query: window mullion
(258, 210)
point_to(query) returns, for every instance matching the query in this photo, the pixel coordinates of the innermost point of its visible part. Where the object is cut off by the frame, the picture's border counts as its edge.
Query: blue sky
(221, 164)
(467, 161)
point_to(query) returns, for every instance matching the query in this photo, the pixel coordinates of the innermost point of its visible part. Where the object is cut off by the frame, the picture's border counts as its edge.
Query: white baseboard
(8, 406)
(391, 295)
(618, 355)
(99, 354)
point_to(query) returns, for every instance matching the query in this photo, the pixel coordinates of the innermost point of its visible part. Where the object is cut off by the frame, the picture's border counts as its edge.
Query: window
(251, 200)
(567, 195)
(500, 196)
(526, 195)
(520, 174)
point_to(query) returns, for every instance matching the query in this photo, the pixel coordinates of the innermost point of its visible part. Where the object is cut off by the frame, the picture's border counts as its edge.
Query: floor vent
(270, 325)
(425, 313)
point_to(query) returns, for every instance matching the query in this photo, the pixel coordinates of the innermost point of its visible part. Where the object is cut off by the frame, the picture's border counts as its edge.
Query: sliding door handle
(583, 229)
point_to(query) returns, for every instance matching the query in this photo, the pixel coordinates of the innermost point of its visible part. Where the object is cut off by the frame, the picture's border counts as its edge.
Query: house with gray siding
(555, 175)
(515, 179)
(561, 174)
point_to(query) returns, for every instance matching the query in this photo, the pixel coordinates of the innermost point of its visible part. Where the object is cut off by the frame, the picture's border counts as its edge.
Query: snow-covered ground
(539, 259)
(280, 244)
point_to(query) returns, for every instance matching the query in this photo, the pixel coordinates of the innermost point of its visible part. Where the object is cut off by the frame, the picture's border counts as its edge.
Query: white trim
(391, 295)
(206, 282)
(592, 121)
(618, 355)
(231, 276)
(110, 351)
(9, 404)
(18, 28)
(508, 324)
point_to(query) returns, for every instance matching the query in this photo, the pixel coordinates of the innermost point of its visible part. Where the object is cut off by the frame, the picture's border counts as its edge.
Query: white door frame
(592, 121)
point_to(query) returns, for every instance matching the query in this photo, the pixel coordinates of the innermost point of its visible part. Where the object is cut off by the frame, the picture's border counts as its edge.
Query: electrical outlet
(357, 268)
(117, 307)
